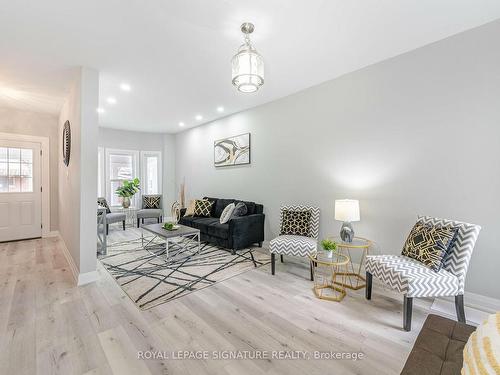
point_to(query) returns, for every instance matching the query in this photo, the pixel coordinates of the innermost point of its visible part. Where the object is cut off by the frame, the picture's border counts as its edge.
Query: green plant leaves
(128, 188)
(329, 245)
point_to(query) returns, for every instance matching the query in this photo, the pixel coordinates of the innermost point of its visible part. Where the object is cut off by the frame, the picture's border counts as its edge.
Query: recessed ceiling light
(181, 124)
(199, 117)
(100, 110)
(111, 100)
(125, 87)
(220, 109)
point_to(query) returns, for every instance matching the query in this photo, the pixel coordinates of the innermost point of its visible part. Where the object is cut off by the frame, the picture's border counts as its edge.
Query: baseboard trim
(69, 259)
(477, 306)
(54, 233)
(80, 278)
(87, 278)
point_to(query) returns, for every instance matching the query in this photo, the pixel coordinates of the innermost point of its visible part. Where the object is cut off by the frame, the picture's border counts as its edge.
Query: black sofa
(239, 233)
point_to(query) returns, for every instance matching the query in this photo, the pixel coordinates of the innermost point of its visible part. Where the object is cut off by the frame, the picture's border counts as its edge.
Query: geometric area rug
(151, 280)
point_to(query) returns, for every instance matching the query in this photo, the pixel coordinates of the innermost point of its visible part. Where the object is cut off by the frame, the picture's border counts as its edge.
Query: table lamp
(347, 211)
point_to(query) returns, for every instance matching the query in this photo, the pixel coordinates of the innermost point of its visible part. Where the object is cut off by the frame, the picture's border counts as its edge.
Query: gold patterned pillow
(482, 351)
(202, 208)
(151, 201)
(429, 244)
(297, 223)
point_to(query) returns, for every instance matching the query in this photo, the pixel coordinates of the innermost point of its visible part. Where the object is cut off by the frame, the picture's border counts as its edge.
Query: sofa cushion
(219, 230)
(220, 205)
(250, 207)
(240, 209)
(202, 208)
(202, 223)
(187, 220)
(214, 201)
(438, 348)
(227, 213)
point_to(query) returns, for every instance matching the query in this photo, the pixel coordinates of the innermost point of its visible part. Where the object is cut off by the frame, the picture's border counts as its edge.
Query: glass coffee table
(183, 239)
(326, 266)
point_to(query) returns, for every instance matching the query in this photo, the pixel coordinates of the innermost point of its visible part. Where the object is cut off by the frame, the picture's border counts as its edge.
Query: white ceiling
(176, 54)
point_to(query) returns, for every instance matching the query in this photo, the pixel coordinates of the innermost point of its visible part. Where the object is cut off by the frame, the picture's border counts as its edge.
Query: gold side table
(354, 280)
(325, 285)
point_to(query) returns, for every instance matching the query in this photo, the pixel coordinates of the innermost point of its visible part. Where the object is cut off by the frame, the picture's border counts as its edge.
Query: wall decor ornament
(232, 151)
(175, 212)
(66, 140)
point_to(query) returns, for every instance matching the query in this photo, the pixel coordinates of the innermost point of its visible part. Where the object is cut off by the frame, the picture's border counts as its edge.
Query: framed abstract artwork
(232, 151)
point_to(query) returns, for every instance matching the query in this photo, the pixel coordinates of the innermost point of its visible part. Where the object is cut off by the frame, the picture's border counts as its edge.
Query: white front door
(20, 190)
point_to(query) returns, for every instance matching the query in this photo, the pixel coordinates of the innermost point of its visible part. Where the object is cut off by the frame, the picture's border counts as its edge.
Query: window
(16, 170)
(115, 166)
(151, 172)
(120, 165)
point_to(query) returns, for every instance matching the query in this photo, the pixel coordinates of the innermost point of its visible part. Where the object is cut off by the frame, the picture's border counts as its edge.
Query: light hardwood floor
(50, 326)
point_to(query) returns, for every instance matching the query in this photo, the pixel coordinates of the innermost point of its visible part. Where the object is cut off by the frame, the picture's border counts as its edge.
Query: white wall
(416, 134)
(169, 182)
(130, 140)
(78, 181)
(19, 121)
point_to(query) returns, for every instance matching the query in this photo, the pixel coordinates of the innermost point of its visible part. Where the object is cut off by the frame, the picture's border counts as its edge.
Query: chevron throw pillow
(202, 208)
(296, 223)
(429, 244)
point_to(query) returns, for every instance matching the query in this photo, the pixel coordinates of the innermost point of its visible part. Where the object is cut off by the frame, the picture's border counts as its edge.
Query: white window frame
(135, 167)
(144, 155)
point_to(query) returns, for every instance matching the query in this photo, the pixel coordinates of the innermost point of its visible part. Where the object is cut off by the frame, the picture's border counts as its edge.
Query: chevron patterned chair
(414, 279)
(294, 245)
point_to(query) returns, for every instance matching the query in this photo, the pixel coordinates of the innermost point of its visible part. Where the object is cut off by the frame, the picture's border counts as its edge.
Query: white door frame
(45, 173)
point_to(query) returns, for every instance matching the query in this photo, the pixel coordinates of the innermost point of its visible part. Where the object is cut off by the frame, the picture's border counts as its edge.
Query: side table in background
(353, 278)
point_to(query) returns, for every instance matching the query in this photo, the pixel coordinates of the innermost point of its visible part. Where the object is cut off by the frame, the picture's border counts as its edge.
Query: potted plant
(329, 247)
(128, 190)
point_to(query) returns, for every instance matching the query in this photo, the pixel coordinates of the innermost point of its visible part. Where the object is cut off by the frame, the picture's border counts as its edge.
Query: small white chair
(413, 279)
(296, 245)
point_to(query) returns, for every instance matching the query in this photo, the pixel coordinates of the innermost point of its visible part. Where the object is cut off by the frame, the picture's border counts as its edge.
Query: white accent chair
(296, 245)
(413, 279)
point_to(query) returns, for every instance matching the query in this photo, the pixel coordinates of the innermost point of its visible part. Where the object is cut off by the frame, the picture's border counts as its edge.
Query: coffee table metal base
(187, 240)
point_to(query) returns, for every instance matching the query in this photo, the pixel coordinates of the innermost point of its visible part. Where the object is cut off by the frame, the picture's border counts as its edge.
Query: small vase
(328, 254)
(126, 202)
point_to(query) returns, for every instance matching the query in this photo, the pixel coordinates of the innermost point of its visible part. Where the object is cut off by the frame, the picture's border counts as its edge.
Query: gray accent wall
(415, 134)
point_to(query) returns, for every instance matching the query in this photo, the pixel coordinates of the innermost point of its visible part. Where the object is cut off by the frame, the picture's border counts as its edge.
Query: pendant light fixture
(247, 64)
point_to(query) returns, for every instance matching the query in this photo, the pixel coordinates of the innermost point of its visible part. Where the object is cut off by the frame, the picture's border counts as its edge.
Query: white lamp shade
(248, 69)
(346, 210)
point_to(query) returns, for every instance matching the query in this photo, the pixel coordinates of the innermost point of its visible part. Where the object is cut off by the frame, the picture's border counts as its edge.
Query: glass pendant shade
(247, 68)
